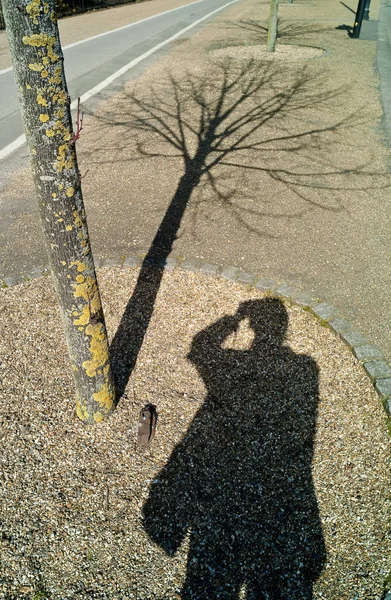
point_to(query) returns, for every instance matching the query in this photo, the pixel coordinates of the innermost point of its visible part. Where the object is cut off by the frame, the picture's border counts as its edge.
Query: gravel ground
(269, 469)
(285, 52)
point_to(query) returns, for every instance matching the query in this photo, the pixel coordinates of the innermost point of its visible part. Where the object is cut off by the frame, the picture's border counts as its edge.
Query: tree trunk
(272, 28)
(45, 104)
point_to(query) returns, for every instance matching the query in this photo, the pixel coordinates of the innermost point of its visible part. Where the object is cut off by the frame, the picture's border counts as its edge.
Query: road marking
(12, 146)
(94, 37)
(103, 84)
(98, 88)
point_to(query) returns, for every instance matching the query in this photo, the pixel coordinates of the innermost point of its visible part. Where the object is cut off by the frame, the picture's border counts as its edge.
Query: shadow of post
(240, 481)
(237, 116)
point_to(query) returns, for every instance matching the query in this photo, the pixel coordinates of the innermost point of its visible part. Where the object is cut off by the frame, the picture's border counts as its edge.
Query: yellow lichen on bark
(42, 40)
(88, 290)
(65, 158)
(56, 77)
(81, 411)
(104, 397)
(84, 317)
(60, 97)
(98, 348)
(41, 100)
(36, 67)
(60, 130)
(33, 9)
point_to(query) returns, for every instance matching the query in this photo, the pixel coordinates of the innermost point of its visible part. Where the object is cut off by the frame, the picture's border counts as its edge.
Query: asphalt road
(99, 59)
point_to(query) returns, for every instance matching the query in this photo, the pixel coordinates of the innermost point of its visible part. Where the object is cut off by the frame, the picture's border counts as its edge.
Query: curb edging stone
(371, 358)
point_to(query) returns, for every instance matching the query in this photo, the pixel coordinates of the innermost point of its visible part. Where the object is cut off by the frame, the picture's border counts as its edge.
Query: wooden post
(37, 58)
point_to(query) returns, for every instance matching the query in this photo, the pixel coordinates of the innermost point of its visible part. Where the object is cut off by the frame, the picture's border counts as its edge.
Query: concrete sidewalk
(384, 65)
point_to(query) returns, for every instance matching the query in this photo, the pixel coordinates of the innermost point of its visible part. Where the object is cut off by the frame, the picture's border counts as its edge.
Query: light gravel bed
(270, 464)
(282, 51)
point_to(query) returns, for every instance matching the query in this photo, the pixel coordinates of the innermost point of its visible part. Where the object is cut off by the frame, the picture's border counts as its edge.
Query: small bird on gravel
(147, 425)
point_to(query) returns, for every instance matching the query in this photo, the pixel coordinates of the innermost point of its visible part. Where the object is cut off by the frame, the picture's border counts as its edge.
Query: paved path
(384, 64)
(94, 60)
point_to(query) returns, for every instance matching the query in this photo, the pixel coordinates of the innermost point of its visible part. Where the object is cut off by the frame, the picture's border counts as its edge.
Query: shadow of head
(267, 318)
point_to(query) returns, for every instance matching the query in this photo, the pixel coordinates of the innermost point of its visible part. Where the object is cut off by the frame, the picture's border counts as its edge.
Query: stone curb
(368, 355)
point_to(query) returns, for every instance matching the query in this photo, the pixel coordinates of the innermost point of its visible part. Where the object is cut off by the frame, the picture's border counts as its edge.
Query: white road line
(136, 61)
(94, 37)
(5, 70)
(12, 146)
(98, 88)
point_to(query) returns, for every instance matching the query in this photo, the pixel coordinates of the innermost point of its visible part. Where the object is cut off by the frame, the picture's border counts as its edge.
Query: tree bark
(37, 58)
(272, 28)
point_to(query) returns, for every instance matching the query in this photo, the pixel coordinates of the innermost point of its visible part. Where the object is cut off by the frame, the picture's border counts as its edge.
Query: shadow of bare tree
(241, 116)
(285, 31)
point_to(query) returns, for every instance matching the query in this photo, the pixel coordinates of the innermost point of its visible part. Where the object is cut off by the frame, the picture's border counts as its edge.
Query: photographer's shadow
(240, 481)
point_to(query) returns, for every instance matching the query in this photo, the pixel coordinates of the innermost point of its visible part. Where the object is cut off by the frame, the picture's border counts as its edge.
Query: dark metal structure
(362, 13)
(66, 8)
(366, 10)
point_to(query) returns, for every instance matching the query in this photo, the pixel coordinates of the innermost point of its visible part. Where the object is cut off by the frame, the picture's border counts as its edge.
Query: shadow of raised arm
(239, 483)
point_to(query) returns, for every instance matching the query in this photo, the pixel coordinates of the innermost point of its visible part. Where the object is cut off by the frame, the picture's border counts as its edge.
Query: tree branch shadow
(285, 30)
(239, 117)
(348, 7)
